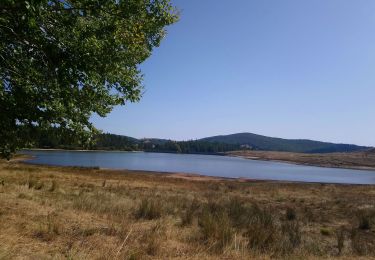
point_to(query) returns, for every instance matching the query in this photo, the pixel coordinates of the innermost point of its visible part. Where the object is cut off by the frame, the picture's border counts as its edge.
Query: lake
(210, 165)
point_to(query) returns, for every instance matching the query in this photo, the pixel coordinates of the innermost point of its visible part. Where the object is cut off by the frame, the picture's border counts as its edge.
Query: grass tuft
(365, 219)
(149, 209)
(188, 215)
(54, 186)
(340, 239)
(261, 230)
(290, 214)
(216, 230)
(325, 231)
(49, 229)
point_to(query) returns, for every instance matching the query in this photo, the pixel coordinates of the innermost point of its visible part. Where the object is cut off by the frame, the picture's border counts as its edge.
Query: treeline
(190, 147)
(115, 142)
(55, 139)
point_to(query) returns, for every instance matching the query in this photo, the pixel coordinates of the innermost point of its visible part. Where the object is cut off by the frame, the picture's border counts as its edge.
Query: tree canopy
(63, 60)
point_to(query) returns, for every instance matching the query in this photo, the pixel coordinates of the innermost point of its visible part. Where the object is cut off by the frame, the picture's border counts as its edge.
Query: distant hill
(264, 143)
(209, 145)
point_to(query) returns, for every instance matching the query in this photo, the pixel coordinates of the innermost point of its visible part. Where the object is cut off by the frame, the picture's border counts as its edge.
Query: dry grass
(354, 160)
(78, 213)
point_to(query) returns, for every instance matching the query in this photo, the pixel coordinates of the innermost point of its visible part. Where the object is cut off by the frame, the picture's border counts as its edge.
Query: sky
(291, 69)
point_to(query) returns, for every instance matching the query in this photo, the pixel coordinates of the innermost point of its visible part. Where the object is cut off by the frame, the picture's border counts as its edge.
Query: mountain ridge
(210, 145)
(265, 143)
(251, 141)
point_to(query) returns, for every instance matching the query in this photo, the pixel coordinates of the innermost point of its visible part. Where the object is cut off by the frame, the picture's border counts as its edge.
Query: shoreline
(360, 168)
(351, 161)
(176, 175)
(244, 156)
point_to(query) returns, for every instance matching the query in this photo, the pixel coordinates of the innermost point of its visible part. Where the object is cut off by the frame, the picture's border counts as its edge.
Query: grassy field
(354, 160)
(76, 213)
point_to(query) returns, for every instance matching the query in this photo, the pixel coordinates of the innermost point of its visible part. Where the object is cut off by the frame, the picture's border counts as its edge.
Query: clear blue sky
(290, 68)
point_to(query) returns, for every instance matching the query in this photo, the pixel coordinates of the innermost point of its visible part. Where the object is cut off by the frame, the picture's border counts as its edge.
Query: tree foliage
(63, 60)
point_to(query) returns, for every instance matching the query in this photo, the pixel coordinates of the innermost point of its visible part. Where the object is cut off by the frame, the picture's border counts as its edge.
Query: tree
(63, 60)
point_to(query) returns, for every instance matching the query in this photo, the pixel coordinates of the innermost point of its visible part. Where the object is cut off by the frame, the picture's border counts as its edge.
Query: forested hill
(264, 143)
(53, 140)
(209, 145)
(117, 142)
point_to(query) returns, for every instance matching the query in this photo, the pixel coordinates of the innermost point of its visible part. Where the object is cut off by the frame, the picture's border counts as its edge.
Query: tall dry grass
(52, 212)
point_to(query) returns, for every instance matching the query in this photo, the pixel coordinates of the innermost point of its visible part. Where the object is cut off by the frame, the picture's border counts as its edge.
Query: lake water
(210, 165)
